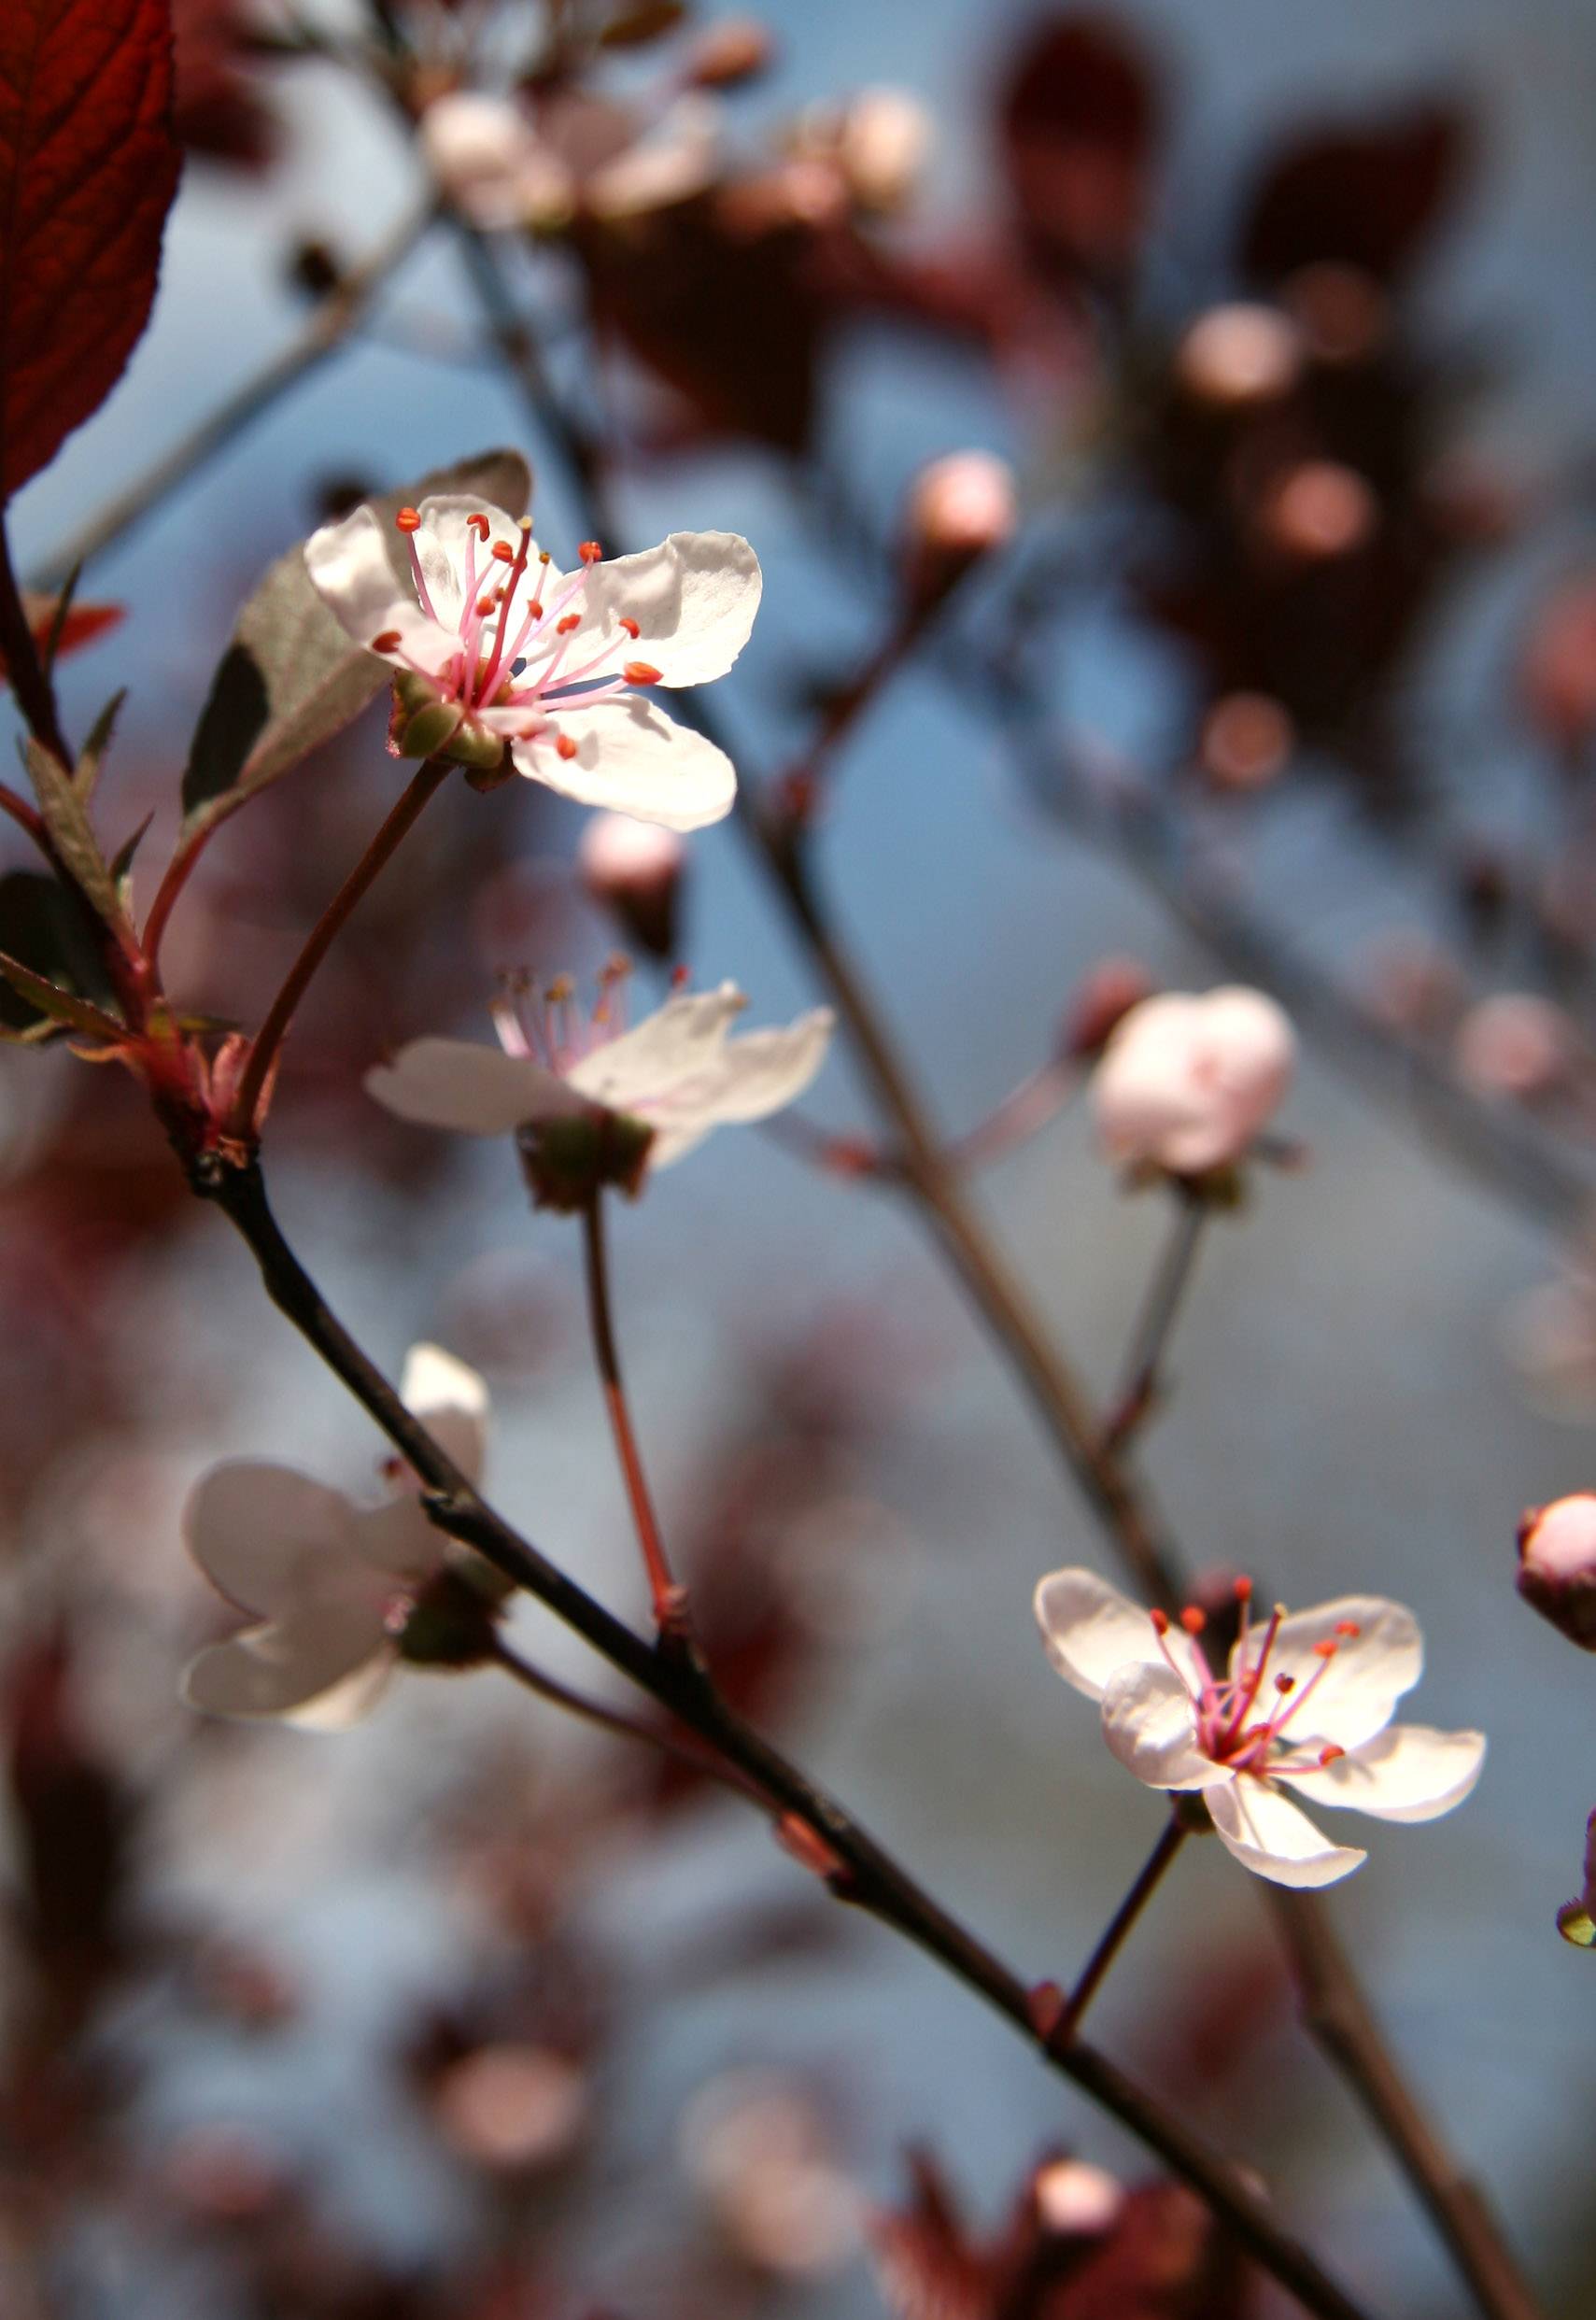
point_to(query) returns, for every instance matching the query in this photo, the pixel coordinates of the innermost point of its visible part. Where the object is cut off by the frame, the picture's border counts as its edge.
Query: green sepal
(569, 1162)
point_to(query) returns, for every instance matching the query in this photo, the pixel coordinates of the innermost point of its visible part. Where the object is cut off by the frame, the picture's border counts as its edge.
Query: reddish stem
(669, 1597)
(262, 1054)
(1118, 1928)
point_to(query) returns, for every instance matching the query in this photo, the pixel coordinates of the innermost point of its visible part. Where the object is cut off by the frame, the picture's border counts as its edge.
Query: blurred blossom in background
(1264, 334)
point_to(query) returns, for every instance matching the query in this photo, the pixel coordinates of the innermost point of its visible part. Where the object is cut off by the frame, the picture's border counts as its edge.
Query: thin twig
(686, 1750)
(1133, 1400)
(1119, 1926)
(406, 810)
(669, 1597)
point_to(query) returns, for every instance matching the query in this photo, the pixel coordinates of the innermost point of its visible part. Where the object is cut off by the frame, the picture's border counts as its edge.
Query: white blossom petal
(633, 759)
(1271, 1837)
(352, 572)
(688, 1077)
(1151, 1724)
(284, 1668)
(255, 1529)
(1356, 1695)
(678, 157)
(679, 1041)
(693, 598)
(1408, 1773)
(451, 1401)
(468, 1086)
(1091, 1630)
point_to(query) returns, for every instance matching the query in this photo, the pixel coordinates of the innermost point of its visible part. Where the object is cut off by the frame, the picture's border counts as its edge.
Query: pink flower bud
(1185, 1083)
(1239, 354)
(634, 868)
(730, 52)
(883, 138)
(1075, 2199)
(1247, 740)
(1576, 1919)
(1320, 511)
(1557, 1565)
(960, 508)
(1516, 1046)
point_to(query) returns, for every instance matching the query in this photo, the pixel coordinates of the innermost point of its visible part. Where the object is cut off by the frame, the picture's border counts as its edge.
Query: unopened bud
(1075, 2200)
(1557, 1565)
(1108, 993)
(1320, 511)
(727, 54)
(1557, 671)
(1576, 1919)
(960, 508)
(883, 139)
(1239, 354)
(1185, 1083)
(1247, 740)
(635, 869)
(1516, 1046)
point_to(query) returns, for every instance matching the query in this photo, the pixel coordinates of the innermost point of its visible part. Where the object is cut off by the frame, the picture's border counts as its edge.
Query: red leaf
(88, 169)
(1078, 120)
(82, 624)
(1364, 196)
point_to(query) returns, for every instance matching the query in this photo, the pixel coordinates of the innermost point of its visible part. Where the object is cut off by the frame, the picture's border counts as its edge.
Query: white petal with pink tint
(1150, 1725)
(351, 571)
(1407, 1773)
(1186, 1083)
(1268, 1835)
(694, 599)
(471, 1088)
(321, 1573)
(1091, 1630)
(631, 757)
(1355, 1694)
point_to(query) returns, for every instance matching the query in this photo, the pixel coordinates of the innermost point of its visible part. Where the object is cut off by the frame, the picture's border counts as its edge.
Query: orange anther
(565, 746)
(544, 557)
(1347, 1627)
(479, 524)
(564, 628)
(484, 606)
(590, 552)
(630, 625)
(1242, 1589)
(408, 520)
(387, 643)
(1193, 1619)
(1329, 1754)
(1160, 1622)
(641, 673)
(503, 551)
(1327, 1649)
(1285, 1683)
(535, 609)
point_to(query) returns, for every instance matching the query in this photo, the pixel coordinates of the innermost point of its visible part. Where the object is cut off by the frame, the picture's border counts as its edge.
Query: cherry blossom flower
(1306, 1703)
(331, 1584)
(506, 166)
(497, 649)
(640, 1098)
(1185, 1083)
